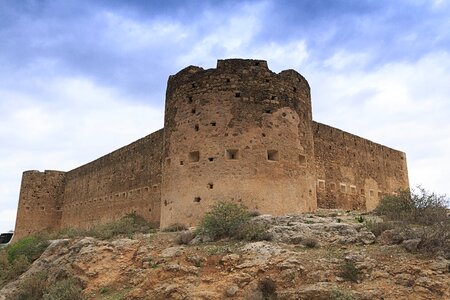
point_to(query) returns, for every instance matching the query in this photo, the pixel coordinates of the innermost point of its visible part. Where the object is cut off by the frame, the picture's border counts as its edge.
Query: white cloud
(403, 105)
(82, 122)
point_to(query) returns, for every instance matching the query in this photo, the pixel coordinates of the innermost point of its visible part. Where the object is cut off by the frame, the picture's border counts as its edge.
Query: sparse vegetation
(417, 214)
(414, 207)
(175, 227)
(268, 288)
(66, 289)
(349, 272)
(127, 226)
(17, 258)
(341, 294)
(229, 220)
(377, 228)
(310, 242)
(31, 247)
(38, 286)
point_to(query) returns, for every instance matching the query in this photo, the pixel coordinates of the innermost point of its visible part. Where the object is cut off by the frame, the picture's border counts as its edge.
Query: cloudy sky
(80, 78)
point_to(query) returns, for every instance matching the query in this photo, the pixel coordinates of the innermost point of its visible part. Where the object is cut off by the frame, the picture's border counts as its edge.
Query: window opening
(371, 193)
(213, 123)
(237, 95)
(343, 188)
(181, 162)
(211, 158)
(321, 183)
(193, 111)
(232, 154)
(353, 189)
(332, 186)
(196, 127)
(197, 199)
(273, 155)
(190, 100)
(301, 158)
(194, 156)
(210, 186)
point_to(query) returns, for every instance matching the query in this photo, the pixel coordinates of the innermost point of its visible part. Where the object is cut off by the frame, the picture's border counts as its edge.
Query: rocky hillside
(327, 255)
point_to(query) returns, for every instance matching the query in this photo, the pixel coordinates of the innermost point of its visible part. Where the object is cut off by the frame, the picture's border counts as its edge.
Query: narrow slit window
(232, 154)
(194, 156)
(190, 100)
(380, 194)
(196, 127)
(273, 155)
(181, 162)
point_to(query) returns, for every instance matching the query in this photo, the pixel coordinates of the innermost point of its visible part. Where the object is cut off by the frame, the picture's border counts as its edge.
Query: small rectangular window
(196, 127)
(211, 159)
(213, 123)
(194, 156)
(232, 154)
(353, 189)
(301, 158)
(197, 199)
(210, 186)
(273, 155)
(332, 186)
(362, 191)
(321, 183)
(343, 188)
(371, 193)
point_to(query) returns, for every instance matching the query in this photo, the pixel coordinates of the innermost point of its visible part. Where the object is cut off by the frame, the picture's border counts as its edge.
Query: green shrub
(67, 289)
(349, 272)
(31, 247)
(225, 219)
(414, 206)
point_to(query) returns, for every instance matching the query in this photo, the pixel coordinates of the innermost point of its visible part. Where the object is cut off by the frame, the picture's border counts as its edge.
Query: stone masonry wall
(354, 173)
(124, 181)
(237, 133)
(40, 202)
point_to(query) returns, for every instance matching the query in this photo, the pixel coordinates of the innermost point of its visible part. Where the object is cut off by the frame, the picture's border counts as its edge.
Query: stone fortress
(240, 133)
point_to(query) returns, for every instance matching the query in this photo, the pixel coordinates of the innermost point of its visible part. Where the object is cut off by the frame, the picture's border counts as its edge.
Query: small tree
(225, 219)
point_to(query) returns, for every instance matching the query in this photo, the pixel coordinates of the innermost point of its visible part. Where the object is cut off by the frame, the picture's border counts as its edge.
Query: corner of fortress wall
(40, 202)
(238, 132)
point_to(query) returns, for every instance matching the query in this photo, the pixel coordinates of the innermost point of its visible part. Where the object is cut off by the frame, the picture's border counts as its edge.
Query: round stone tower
(239, 133)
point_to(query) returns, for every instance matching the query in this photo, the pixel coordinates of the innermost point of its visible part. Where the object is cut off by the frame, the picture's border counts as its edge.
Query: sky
(81, 78)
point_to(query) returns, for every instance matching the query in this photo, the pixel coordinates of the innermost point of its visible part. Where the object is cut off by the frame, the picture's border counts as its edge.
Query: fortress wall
(354, 173)
(220, 126)
(124, 181)
(39, 202)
